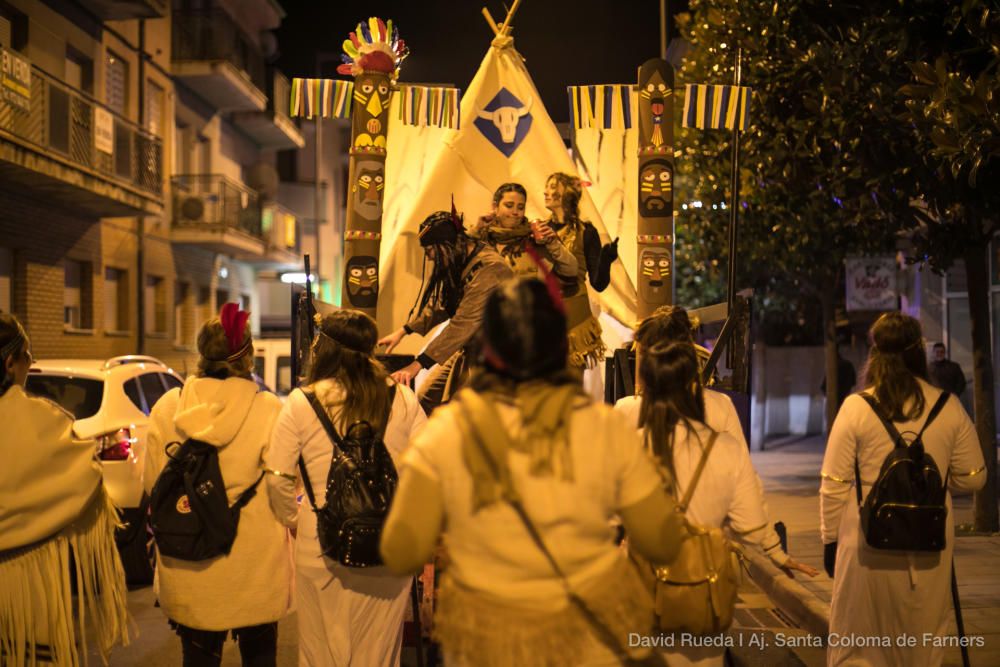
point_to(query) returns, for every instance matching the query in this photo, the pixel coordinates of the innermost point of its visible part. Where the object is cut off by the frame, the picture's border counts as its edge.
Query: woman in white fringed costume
(523, 431)
(52, 504)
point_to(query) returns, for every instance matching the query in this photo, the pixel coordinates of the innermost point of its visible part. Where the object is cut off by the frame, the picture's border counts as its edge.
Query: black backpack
(359, 490)
(905, 509)
(189, 512)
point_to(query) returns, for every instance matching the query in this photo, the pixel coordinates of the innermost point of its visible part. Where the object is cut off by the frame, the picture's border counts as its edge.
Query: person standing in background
(945, 373)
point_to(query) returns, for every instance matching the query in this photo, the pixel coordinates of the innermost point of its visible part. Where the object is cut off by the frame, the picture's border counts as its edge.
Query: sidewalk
(790, 470)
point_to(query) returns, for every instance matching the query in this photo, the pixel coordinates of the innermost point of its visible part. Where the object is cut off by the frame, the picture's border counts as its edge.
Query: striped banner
(709, 107)
(429, 106)
(328, 98)
(602, 107)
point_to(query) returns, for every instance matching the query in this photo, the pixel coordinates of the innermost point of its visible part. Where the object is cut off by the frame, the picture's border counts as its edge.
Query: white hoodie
(252, 585)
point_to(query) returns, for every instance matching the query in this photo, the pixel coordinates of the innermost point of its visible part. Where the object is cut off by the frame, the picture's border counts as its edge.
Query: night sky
(564, 42)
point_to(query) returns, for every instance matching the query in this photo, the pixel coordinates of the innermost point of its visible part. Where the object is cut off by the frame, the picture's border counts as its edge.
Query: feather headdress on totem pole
(374, 46)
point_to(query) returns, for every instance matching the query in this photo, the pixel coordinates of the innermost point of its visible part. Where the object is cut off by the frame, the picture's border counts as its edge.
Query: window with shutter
(116, 82)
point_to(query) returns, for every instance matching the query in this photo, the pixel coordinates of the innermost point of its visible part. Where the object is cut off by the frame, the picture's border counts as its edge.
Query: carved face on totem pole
(368, 189)
(655, 86)
(362, 281)
(371, 92)
(656, 199)
(654, 273)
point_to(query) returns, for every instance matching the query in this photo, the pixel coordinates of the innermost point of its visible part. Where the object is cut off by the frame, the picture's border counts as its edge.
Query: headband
(342, 344)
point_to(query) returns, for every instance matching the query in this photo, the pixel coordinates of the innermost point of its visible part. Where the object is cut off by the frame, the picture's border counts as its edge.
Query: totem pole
(372, 56)
(655, 224)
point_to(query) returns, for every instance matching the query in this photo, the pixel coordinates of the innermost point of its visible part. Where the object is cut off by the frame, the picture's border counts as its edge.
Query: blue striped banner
(710, 107)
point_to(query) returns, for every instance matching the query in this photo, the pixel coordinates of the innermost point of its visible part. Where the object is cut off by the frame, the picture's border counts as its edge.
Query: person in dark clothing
(945, 373)
(846, 379)
(465, 273)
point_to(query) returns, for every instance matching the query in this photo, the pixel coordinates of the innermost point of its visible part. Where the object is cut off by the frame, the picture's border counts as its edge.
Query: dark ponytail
(897, 358)
(672, 394)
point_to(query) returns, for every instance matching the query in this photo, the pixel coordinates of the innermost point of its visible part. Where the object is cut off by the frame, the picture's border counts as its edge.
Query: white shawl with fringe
(53, 504)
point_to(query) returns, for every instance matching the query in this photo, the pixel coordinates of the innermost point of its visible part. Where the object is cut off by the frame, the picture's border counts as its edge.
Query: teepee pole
(507, 27)
(493, 24)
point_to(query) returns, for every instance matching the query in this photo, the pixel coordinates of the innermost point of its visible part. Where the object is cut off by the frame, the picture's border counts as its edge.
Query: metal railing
(213, 35)
(214, 202)
(63, 121)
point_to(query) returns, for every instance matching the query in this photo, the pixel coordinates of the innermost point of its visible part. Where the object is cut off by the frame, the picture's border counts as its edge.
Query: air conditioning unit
(192, 209)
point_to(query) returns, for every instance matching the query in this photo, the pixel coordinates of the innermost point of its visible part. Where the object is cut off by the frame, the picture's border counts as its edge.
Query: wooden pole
(493, 24)
(507, 27)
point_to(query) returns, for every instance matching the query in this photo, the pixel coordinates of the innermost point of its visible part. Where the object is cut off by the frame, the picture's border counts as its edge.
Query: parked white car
(111, 401)
(272, 362)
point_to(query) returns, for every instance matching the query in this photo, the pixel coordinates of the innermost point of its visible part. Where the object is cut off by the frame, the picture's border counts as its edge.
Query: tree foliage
(818, 70)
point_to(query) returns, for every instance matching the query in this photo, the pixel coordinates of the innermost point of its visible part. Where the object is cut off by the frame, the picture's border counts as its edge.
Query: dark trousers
(443, 382)
(203, 648)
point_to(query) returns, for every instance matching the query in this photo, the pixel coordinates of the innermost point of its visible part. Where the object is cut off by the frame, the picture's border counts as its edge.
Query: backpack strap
(686, 500)
(247, 495)
(331, 431)
(893, 432)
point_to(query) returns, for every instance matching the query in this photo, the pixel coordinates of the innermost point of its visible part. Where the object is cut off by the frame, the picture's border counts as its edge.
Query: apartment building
(139, 185)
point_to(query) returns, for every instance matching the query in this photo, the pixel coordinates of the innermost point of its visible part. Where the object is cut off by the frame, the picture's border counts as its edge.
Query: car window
(258, 366)
(171, 381)
(283, 376)
(152, 388)
(79, 396)
(132, 391)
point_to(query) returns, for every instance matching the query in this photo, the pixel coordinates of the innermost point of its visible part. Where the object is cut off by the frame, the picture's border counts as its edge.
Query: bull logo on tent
(505, 121)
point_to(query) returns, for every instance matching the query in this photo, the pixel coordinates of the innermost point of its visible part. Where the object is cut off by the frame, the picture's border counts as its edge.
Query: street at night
(503, 334)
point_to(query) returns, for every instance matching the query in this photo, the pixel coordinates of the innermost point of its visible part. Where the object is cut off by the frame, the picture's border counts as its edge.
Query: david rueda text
(688, 640)
(762, 640)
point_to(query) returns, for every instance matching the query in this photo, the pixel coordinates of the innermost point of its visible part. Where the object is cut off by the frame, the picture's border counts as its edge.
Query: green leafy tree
(806, 203)
(953, 110)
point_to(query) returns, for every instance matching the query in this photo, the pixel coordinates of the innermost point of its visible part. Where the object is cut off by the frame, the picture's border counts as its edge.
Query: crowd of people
(511, 478)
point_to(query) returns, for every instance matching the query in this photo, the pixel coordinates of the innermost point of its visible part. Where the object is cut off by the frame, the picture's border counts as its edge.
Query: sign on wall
(104, 130)
(16, 80)
(871, 283)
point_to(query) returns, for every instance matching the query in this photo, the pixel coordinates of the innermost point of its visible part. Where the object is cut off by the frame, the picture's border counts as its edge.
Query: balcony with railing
(65, 145)
(272, 128)
(214, 57)
(219, 214)
(124, 10)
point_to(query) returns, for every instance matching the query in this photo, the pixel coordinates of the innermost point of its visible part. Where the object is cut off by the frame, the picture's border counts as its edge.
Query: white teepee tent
(505, 135)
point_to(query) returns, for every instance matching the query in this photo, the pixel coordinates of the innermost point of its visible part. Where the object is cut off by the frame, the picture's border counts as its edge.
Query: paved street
(790, 471)
(789, 468)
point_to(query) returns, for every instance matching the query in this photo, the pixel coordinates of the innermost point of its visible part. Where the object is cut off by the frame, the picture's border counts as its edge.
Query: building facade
(139, 184)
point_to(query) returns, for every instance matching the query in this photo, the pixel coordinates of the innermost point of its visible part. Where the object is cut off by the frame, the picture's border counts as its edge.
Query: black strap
(247, 495)
(472, 272)
(959, 624)
(893, 432)
(331, 431)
